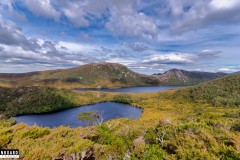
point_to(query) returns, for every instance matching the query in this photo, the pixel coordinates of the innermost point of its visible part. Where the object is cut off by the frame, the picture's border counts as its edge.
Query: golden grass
(192, 131)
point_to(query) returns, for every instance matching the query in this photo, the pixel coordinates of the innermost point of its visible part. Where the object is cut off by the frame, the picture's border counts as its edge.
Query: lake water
(69, 117)
(132, 89)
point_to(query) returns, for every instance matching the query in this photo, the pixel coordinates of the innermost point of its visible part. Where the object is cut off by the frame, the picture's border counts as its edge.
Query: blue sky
(148, 36)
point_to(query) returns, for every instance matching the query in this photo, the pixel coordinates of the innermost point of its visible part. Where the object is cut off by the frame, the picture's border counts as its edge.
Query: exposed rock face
(174, 74)
(181, 77)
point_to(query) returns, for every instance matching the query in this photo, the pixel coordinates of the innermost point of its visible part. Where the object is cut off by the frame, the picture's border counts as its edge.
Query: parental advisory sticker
(9, 153)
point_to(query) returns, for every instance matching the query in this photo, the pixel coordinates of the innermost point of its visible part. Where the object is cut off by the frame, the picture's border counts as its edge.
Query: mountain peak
(110, 75)
(175, 70)
(178, 76)
(103, 64)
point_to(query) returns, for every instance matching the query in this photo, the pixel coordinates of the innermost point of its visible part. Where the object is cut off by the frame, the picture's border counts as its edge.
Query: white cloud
(203, 13)
(228, 70)
(42, 8)
(76, 15)
(139, 47)
(224, 4)
(171, 58)
(128, 20)
(124, 18)
(16, 52)
(6, 6)
(132, 24)
(11, 34)
(78, 11)
(75, 47)
(18, 49)
(208, 53)
(224, 69)
(121, 61)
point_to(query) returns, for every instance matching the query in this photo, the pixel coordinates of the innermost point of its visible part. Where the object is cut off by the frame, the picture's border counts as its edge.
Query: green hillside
(109, 75)
(220, 92)
(29, 100)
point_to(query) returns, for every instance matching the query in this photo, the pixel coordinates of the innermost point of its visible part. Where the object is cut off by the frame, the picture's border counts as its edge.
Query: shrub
(123, 98)
(91, 118)
(36, 132)
(8, 123)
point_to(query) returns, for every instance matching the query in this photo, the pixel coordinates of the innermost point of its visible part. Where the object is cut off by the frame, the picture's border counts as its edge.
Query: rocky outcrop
(182, 77)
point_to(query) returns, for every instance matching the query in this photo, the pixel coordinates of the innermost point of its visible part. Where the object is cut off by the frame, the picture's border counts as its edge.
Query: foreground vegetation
(174, 125)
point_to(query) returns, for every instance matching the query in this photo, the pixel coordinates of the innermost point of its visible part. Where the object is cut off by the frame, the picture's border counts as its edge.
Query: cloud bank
(148, 36)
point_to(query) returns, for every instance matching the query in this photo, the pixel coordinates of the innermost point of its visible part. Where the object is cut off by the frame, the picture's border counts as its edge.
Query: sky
(148, 36)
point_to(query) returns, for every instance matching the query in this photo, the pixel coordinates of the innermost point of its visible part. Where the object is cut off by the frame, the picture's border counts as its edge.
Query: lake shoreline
(135, 89)
(68, 117)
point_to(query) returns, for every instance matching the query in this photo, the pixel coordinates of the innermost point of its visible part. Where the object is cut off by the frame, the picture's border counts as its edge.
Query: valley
(189, 120)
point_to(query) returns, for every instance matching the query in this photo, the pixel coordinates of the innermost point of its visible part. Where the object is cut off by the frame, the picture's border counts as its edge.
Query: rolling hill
(108, 75)
(90, 75)
(220, 92)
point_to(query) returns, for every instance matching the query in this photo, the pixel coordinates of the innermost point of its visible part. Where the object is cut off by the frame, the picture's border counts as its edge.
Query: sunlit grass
(173, 125)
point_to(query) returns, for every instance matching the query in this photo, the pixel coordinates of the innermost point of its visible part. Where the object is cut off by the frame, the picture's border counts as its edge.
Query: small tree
(160, 136)
(91, 118)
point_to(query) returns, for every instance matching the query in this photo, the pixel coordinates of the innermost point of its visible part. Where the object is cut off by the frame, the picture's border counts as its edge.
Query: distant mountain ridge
(183, 77)
(236, 72)
(109, 75)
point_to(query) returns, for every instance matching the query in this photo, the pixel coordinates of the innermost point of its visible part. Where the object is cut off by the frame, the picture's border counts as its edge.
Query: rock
(140, 141)
(20, 91)
(59, 157)
(87, 155)
(20, 100)
(164, 121)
